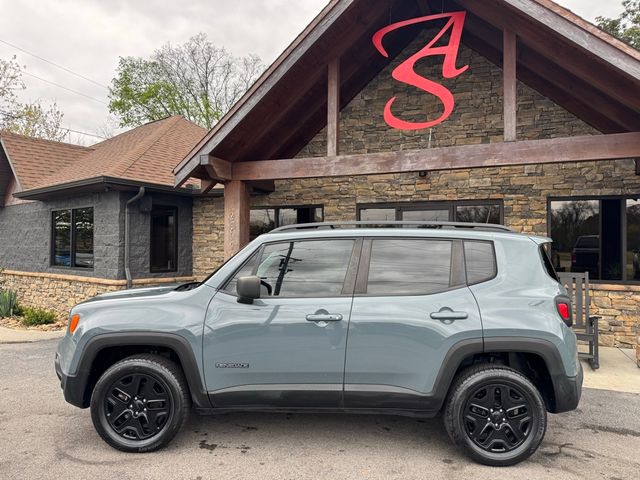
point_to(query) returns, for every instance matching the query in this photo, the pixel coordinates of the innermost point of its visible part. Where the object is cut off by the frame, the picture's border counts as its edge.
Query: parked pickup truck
(461, 320)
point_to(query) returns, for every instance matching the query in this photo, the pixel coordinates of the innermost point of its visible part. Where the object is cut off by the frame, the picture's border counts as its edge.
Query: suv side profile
(464, 320)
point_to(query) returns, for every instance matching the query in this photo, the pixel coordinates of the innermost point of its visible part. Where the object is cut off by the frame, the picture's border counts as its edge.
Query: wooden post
(510, 85)
(333, 108)
(637, 166)
(236, 217)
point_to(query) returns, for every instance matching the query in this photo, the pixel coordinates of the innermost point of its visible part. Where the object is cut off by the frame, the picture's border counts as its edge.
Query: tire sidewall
(483, 378)
(98, 414)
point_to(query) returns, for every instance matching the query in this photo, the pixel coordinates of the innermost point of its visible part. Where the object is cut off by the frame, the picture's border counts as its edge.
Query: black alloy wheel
(495, 414)
(138, 406)
(140, 403)
(497, 417)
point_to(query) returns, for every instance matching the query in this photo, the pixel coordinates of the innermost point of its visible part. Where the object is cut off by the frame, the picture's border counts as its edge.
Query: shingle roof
(34, 160)
(147, 153)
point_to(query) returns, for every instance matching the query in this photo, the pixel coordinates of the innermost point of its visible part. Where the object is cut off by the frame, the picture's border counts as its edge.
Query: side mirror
(248, 289)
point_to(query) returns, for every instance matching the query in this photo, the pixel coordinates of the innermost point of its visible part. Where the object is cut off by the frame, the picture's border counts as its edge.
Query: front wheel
(140, 403)
(496, 415)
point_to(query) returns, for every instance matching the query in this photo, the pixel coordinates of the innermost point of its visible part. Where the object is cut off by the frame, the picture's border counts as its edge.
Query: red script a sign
(405, 72)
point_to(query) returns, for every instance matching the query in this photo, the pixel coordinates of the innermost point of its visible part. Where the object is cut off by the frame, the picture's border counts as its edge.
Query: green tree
(196, 80)
(627, 26)
(34, 119)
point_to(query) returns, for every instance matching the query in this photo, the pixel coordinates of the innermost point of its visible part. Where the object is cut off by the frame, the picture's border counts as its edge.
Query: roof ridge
(158, 134)
(6, 133)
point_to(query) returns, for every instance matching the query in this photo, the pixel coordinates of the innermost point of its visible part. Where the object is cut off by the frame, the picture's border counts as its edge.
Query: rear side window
(409, 267)
(480, 261)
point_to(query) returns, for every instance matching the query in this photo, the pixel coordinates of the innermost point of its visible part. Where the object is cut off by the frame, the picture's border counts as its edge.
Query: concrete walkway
(9, 335)
(618, 371)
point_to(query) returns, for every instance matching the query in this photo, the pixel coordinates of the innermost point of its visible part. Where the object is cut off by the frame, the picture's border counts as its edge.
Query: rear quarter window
(480, 261)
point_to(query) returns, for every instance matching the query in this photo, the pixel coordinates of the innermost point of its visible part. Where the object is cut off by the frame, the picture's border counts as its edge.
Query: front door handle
(446, 314)
(324, 317)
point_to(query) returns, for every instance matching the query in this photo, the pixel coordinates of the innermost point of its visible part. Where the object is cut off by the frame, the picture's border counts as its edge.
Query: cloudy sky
(88, 37)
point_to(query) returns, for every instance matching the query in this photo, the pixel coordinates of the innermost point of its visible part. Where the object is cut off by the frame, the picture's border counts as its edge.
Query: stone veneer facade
(478, 119)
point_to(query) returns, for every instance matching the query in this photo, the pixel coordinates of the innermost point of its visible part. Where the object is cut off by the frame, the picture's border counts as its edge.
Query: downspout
(127, 240)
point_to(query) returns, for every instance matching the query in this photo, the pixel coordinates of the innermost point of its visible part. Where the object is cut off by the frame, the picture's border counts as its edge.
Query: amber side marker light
(73, 324)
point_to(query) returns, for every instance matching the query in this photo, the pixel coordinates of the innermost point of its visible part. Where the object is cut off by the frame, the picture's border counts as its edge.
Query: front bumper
(568, 391)
(72, 388)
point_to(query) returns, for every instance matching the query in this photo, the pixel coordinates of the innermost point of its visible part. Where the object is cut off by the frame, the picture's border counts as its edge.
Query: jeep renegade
(466, 320)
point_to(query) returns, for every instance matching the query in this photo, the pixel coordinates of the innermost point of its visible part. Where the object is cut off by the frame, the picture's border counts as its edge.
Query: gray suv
(464, 320)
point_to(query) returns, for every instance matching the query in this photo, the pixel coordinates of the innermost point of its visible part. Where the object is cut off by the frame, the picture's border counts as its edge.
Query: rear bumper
(72, 388)
(568, 391)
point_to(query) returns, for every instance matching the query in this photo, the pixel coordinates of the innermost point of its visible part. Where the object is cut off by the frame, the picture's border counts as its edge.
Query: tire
(140, 403)
(501, 436)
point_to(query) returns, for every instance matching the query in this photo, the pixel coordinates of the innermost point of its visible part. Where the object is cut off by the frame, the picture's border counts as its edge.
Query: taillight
(563, 306)
(573, 258)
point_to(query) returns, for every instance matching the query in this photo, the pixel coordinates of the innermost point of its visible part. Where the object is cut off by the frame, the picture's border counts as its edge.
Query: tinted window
(478, 214)
(62, 238)
(73, 238)
(409, 267)
(480, 261)
(83, 247)
(263, 220)
(164, 239)
(305, 269)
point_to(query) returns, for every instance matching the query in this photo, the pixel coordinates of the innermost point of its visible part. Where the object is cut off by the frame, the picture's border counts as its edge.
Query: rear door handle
(324, 317)
(446, 314)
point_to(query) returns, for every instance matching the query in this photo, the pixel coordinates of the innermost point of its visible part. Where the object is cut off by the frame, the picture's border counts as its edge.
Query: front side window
(305, 269)
(263, 220)
(409, 267)
(164, 239)
(72, 238)
(596, 235)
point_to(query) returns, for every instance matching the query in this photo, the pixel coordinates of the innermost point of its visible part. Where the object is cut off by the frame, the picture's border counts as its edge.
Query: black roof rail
(487, 227)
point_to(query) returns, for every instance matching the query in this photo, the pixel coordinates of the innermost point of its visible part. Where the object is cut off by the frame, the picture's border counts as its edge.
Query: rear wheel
(140, 403)
(496, 415)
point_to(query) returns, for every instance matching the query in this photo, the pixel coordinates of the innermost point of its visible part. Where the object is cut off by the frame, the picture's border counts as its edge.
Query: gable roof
(558, 51)
(33, 160)
(145, 154)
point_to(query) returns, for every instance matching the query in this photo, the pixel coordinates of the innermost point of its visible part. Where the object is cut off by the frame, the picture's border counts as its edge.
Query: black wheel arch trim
(567, 390)
(75, 387)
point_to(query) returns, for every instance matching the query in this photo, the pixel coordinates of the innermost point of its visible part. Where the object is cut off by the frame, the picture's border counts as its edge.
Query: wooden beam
(236, 217)
(207, 185)
(510, 85)
(333, 108)
(217, 168)
(531, 152)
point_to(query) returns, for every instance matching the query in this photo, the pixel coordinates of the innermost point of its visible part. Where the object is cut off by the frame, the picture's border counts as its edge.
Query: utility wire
(54, 64)
(65, 88)
(8, 115)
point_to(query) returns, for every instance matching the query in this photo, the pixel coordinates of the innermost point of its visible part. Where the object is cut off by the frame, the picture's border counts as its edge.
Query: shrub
(8, 303)
(37, 316)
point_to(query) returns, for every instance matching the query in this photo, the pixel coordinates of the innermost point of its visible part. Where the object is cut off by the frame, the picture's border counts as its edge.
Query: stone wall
(60, 293)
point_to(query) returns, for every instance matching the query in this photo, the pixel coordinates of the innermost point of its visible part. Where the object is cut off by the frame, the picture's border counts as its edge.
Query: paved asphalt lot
(42, 437)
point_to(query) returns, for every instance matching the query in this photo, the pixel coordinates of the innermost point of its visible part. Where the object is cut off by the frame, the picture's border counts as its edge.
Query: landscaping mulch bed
(16, 324)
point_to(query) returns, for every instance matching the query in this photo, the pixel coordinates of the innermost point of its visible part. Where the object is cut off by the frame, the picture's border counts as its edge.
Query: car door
(411, 307)
(287, 348)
